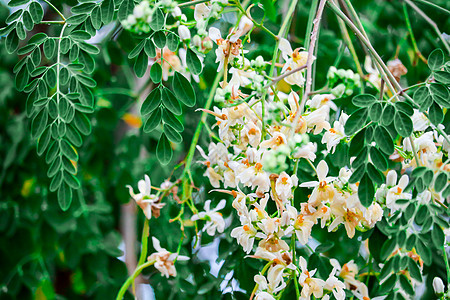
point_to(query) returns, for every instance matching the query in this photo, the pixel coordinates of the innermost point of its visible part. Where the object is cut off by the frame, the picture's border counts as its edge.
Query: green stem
(431, 22)
(433, 5)
(351, 48)
(262, 273)
(309, 25)
(261, 26)
(131, 279)
(144, 242)
(384, 72)
(189, 3)
(447, 266)
(411, 33)
(57, 10)
(198, 130)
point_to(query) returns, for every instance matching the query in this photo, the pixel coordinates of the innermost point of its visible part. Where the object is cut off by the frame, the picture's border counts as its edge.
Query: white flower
(214, 219)
(438, 285)
(310, 285)
(145, 199)
(334, 135)
(317, 120)
(274, 282)
(322, 191)
(318, 101)
(201, 11)
(184, 33)
(293, 60)
(245, 236)
(335, 285)
(284, 185)
(396, 192)
(164, 260)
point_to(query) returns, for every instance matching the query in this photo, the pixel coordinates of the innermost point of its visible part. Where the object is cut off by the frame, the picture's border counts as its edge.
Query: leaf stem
(144, 242)
(57, 10)
(130, 279)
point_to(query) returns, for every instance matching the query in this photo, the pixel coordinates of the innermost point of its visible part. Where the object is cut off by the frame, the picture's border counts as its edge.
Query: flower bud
(438, 285)
(176, 12)
(138, 12)
(208, 44)
(184, 33)
(197, 41)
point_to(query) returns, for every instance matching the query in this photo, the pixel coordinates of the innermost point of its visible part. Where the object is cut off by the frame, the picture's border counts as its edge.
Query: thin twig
(431, 22)
(281, 77)
(310, 59)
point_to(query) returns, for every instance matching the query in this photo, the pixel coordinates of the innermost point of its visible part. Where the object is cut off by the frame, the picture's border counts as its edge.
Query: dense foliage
(276, 149)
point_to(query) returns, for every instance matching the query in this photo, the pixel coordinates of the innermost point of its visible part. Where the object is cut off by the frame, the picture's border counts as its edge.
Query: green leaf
(440, 94)
(404, 107)
(435, 114)
(153, 121)
(27, 21)
(107, 10)
(324, 247)
(20, 30)
(159, 38)
(14, 3)
(172, 134)
(39, 123)
(357, 174)
(80, 35)
(14, 16)
(183, 90)
(141, 64)
(414, 270)
(83, 8)
(137, 50)
(157, 21)
(76, 19)
(384, 140)
(149, 48)
(43, 141)
(406, 285)
(64, 196)
(88, 48)
(152, 101)
(356, 121)
(387, 248)
(403, 124)
(436, 59)
(374, 174)
(424, 252)
(438, 236)
(388, 285)
(360, 159)
(36, 11)
(442, 76)
(440, 182)
(68, 150)
(364, 100)
(72, 181)
(125, 9)
(366, 191)
(49, 48)
(12, 42)
(73, 136)
(193, 62)
(82, 123)
(378, 159)
(56, 181)
(388, 115)
(376, 111)
(172, 41)
(156, 73)
(170, 101)
(173, 121)
(22, 79)
(164, 150)
(96, 18)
